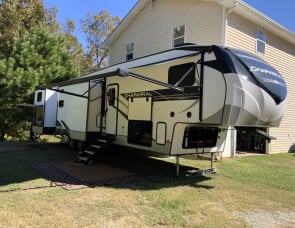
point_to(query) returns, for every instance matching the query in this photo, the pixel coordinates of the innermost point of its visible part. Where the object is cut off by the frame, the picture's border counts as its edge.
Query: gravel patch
(276, 219)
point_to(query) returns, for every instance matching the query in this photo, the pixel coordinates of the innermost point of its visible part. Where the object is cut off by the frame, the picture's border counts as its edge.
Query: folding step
(84, 158)
(87, 155)
(91, 152)
(104, 141)
(95, 146)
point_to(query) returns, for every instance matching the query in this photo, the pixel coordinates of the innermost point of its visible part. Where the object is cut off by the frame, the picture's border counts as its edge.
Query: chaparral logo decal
(263, 70)
(190, 92)
(137, 94)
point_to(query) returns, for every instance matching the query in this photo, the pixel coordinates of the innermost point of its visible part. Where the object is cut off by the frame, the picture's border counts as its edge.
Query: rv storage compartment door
(140, 132)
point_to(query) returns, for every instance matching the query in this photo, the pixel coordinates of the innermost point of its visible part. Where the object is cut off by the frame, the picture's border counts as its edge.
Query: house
(156, 25)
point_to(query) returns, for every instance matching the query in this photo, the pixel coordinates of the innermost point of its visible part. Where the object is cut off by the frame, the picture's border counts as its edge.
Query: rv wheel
(80, 145)
(72, 144)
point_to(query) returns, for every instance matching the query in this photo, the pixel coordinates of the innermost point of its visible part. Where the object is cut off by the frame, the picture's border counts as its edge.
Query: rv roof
(165, 56)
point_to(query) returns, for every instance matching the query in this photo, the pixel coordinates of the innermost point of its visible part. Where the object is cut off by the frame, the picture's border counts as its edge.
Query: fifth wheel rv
(181, 101)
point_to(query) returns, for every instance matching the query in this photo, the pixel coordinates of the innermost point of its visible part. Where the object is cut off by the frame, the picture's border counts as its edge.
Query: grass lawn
(245, 192)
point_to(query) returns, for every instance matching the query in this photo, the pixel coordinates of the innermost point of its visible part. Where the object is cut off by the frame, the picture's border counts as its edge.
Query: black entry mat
(73, 175)
(58, 177)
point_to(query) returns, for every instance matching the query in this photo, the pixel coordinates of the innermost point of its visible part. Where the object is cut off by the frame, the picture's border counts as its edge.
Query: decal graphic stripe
(191, 92)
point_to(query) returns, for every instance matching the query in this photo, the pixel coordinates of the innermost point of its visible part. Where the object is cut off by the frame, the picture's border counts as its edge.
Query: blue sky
(280, 11)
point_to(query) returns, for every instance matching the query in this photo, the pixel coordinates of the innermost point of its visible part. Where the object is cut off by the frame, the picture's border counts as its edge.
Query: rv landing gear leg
(212, 169)
(203, 172)
(177, 165)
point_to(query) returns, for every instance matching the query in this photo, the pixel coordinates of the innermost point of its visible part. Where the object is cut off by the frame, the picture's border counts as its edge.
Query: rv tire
(80, 145)
(72, 143)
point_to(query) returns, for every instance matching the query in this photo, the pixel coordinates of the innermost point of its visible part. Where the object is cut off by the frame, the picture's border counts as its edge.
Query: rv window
(176, 73)
(267, 77)
(199, 137)
(61, 103)
(39, 96)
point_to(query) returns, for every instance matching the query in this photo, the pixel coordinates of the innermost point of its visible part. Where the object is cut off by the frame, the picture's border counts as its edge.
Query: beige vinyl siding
(151, 31)
(282, 57)
(242, 34)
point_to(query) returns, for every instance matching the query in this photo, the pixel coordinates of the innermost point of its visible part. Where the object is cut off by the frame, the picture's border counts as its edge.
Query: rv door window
(111, 94)
(175, 73)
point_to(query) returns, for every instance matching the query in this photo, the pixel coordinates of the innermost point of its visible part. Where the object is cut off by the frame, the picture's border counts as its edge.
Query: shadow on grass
(138, 172)
(16, 160)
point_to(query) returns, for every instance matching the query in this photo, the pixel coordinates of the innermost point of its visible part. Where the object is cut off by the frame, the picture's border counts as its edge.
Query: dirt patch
(96, 174)
(263, 218)
(91, 173)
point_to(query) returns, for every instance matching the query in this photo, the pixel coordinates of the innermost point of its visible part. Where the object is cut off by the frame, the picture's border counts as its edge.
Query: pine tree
(38, 58)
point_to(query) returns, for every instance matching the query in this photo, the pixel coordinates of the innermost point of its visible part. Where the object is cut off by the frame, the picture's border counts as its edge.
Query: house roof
(238, 6)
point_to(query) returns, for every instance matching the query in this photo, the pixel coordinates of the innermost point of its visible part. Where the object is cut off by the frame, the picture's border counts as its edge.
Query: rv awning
(26, 105)
(265, 135)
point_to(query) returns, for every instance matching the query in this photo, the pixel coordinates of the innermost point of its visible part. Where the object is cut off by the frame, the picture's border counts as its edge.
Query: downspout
(231, 130)
(226, 12)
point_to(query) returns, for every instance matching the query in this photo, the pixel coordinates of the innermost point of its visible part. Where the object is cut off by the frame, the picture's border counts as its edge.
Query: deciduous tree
(97, 28)
(18, 16)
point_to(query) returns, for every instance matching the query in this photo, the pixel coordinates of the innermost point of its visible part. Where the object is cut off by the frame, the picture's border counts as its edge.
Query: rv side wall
(72, 110)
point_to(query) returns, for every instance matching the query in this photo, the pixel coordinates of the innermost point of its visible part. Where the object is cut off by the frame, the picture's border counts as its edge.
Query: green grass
(240, 186)
(274, 171)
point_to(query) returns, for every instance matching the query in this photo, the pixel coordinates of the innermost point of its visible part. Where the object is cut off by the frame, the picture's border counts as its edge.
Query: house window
(153, 4)
(129, 51)
(178, 35)
(260, 42)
